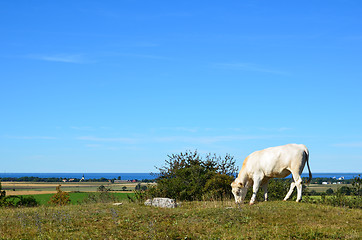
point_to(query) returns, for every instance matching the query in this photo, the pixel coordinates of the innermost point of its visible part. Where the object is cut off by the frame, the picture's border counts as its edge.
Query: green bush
(139, 196)
(218, 187)
(8, 201)
(341, 200)
(329, 191)
(344, 190)
(187, 176)
(2, 192)
(356, 186)
(60, 198)
(27, 201)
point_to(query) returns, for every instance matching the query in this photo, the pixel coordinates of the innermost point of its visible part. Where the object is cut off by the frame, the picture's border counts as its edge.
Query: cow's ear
(240, 185)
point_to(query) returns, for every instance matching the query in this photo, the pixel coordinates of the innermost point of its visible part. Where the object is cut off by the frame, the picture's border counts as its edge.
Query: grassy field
(76, 198)
(193, 220)
(31, 188)
(323, 187)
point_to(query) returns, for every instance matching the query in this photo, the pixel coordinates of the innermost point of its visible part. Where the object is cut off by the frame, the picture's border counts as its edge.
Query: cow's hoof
(284, 200)
(251, 203)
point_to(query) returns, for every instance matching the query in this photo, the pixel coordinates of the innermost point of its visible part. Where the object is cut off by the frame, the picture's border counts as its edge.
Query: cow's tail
(306, 154)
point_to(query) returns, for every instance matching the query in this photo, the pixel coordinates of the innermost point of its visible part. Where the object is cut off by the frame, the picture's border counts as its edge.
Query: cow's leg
(299, 190)
(298, 184)
(264, 186)
(265, 189)
(256, 186)
(292, 186)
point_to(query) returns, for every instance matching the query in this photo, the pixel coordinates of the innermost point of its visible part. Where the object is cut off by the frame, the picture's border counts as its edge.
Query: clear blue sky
(116, 86)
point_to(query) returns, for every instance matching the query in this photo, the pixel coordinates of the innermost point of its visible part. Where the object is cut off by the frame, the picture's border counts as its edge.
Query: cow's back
(276, 161)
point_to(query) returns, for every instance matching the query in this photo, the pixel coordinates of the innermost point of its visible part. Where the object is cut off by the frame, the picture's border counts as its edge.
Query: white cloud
(65, 58)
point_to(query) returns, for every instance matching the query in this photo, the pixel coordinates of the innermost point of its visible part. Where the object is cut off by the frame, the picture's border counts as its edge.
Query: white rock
(162, 202)
(148, 202)
(117, 204)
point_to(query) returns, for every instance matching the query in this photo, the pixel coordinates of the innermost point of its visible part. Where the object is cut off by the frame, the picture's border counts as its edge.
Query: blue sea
(141, 176)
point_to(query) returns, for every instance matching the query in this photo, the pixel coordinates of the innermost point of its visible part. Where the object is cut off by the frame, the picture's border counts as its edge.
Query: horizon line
(147, 172)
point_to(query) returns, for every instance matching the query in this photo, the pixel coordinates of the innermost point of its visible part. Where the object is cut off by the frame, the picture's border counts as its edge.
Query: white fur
(275, 162)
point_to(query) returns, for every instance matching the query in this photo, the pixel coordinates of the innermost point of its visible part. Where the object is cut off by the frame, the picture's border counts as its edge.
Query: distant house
(64, 180)
(71, 179)
(324, 183)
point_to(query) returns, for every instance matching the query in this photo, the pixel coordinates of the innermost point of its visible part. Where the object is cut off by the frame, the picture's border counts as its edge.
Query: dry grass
(193, 220)
(25, 192)
(26, 188)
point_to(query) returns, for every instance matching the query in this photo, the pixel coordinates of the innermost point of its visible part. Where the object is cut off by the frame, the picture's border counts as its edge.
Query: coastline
(142, 176)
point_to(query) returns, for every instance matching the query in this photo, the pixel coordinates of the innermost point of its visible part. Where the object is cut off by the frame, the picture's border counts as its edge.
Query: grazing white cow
(275, 162)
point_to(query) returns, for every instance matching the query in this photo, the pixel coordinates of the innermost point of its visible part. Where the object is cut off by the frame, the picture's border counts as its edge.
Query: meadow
(193, 220)
(99, 219)
(78, 197)
(32, 188)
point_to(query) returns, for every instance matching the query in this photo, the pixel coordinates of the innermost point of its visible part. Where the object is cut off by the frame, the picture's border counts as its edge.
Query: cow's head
(239, 191)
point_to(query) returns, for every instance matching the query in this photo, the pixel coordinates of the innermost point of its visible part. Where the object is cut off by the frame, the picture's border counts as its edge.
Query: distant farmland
(26, 188)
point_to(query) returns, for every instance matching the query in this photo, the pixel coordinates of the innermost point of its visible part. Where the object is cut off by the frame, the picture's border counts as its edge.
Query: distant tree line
(30, 179)
(54, 179)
